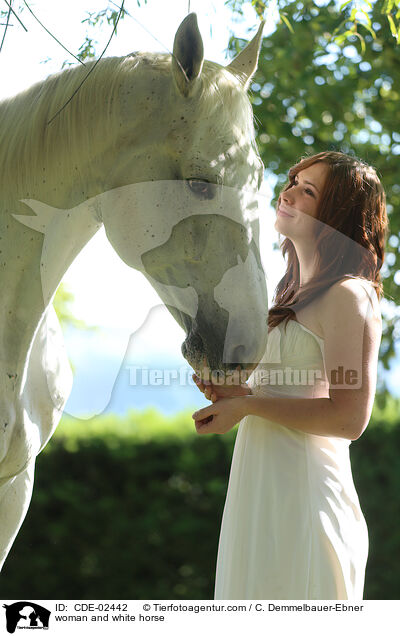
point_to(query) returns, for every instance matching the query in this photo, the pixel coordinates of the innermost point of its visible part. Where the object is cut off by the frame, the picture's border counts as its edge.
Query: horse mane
(33, 149)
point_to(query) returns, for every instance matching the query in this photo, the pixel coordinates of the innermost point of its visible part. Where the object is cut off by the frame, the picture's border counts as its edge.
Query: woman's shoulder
(350, 297)
(354, 282)
(351, 289)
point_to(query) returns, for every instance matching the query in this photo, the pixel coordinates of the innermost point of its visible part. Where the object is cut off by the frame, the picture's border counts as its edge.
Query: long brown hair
(350, 238)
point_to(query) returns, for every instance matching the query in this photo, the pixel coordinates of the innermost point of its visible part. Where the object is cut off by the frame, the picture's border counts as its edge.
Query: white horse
(145, 148)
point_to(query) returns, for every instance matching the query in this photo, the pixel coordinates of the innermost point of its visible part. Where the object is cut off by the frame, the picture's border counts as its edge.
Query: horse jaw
(214, 259)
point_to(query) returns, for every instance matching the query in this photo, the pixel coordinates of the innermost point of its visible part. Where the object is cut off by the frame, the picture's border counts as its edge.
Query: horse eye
(201, 188)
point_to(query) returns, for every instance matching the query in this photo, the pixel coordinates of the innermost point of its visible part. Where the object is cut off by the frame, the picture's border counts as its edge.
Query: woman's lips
(283, 213)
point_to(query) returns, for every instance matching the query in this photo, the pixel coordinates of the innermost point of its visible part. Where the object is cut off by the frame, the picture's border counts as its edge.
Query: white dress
(292, 526)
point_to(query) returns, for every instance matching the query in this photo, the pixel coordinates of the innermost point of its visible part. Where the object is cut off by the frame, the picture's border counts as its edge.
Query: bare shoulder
(351, 300)
(350, 288)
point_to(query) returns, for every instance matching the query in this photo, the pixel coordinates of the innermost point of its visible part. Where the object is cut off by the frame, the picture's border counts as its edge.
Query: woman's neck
(307, 261)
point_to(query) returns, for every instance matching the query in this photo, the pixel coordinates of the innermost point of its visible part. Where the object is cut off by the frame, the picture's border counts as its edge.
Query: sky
(133, 325)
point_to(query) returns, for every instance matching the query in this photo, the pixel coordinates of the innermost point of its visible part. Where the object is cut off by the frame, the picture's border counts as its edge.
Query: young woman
(292, 526)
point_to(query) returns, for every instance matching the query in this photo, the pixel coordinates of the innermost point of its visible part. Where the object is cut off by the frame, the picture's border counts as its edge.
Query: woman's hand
(216, 392)
(221, 416)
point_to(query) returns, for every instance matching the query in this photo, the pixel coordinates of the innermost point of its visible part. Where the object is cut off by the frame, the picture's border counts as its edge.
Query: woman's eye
(306, 190)
(201, 188)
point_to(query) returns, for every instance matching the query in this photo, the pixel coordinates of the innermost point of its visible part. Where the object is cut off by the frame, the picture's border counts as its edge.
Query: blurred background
(128, 499)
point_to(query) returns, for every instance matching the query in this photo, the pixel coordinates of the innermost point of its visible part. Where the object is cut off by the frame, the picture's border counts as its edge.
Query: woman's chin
(280, 227)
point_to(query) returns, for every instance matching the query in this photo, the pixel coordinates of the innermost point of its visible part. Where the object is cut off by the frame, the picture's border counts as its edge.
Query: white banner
(181, 617)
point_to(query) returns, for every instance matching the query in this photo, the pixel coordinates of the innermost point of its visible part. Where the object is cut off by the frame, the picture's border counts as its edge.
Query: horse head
(182, 206)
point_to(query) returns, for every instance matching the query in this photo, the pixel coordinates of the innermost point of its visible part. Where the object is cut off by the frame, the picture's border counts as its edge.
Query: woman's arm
(352, 332)
(317, 416)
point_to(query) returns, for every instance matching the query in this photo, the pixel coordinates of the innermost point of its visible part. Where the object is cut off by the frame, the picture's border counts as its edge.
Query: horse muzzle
(210, 359)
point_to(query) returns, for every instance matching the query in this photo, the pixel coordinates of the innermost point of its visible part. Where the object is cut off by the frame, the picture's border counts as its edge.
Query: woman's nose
(287, 196)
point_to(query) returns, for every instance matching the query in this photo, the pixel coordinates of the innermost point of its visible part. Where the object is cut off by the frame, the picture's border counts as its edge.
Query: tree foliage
(356, 16)
(63, 301)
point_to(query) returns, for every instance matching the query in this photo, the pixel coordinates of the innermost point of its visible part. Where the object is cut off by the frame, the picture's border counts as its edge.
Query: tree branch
(93, 67)
(53, 36)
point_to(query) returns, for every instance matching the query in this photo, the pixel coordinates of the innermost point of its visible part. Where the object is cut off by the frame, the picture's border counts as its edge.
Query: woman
(292, 526)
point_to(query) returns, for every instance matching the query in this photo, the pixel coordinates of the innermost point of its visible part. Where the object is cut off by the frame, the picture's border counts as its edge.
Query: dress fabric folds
(292, 526)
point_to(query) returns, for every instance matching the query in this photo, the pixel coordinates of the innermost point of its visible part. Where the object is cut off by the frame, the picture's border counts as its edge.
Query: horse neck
(35, 258)
(73, 169)
(55, 165)
(32, 266)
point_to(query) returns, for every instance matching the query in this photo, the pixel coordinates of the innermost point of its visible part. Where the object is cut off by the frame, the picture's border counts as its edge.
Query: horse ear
(188, 55)
(245, 64)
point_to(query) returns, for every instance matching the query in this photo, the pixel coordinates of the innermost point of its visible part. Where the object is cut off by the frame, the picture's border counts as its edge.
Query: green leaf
(362, 41)
(369, 29)
(286, 21)
(338, 28)
(259, 6)
(365, 14)
(392, 25)
(340, 39)
(387, 6)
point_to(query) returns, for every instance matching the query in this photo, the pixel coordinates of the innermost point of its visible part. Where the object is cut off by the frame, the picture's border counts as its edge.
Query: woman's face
(298, 206)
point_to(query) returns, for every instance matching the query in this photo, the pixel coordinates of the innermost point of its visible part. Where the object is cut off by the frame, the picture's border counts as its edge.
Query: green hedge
(131, 509)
